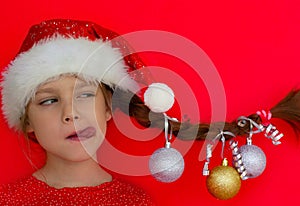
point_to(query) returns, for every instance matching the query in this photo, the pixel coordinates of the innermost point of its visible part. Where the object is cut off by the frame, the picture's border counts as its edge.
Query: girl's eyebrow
(84, 85)
(79, 85)
(45, 90)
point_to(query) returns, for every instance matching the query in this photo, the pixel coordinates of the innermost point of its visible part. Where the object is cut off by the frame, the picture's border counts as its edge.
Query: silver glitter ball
(166, 164)
(254, 160)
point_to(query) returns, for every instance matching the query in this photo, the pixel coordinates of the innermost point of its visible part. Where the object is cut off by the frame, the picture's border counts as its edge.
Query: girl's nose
(70, 118)
(69, 112)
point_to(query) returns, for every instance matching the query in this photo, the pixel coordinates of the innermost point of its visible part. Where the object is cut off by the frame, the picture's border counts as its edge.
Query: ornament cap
(225, 162)
(168, 144)
(249, 141)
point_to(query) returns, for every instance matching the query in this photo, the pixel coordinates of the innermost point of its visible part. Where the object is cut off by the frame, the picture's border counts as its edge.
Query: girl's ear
(108, 106)
(108, 115)
(29, 128)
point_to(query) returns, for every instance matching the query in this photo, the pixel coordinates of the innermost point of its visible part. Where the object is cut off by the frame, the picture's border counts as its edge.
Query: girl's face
(68, 117)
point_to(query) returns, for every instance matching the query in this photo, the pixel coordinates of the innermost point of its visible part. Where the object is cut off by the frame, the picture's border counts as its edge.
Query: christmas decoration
(159, 97)
(250, 160)
(223, 182)
(209, 147)
(166, 164)
(237, 160)
(63, 46)
(254, 160)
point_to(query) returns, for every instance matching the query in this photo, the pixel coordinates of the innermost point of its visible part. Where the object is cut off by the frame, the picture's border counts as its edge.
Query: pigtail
(288, 109)
(139, 111)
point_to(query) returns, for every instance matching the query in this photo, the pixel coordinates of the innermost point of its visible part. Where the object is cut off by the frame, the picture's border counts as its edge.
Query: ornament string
(166, 164)
(265, 117)
(237, 160)
(209, 146)
(270, 130)
(272, 133)
(205, 171)
(242, 123)
(168, 137)
(223, 143)
(249, 160)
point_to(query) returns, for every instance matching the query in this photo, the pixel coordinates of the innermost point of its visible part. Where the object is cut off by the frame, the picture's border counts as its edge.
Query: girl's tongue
(83, 134)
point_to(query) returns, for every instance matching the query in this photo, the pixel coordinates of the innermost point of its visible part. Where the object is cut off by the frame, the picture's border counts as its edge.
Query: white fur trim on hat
(96, 60)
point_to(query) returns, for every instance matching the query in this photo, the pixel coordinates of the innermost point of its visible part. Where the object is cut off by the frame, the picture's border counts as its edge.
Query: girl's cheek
(84, 107)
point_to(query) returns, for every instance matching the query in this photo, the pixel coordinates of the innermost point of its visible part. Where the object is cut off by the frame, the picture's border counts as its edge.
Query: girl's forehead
(62, 80)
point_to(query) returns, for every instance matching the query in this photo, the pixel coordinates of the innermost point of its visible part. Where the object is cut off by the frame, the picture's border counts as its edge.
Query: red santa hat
(57, 47)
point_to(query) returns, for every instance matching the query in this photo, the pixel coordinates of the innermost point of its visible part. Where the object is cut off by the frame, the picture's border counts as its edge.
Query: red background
(254, 46)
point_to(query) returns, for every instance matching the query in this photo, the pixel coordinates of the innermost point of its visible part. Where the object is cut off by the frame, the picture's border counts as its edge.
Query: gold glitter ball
(223, 182)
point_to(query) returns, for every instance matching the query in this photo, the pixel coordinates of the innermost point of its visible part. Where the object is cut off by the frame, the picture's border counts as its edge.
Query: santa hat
(57, 47)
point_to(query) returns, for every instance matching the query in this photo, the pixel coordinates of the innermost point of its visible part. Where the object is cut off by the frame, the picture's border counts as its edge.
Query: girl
(58, 91)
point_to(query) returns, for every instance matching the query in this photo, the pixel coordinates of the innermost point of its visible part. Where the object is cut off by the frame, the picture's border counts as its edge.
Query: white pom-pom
(159, 97)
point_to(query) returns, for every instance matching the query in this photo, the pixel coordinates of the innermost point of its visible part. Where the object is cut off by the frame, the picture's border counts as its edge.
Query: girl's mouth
(82, 135)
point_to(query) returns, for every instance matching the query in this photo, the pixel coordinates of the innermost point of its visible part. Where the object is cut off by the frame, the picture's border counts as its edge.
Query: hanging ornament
(252, 157)
(223, 182)
(254, 160)
(166, 164)
(249, 161)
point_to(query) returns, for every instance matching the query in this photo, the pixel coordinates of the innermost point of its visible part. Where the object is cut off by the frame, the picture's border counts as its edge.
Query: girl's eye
(86, 95)
(48, 101)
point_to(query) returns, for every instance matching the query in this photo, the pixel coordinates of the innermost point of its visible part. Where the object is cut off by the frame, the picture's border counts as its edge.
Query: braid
(287, 109)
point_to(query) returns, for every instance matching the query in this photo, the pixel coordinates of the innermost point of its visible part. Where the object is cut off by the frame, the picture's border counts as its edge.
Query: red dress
(31, 191)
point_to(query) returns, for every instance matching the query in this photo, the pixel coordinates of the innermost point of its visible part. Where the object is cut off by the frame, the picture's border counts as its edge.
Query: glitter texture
(254, 160)
(91, 31)
(223, 182)
(30, 191)
(166, 164)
